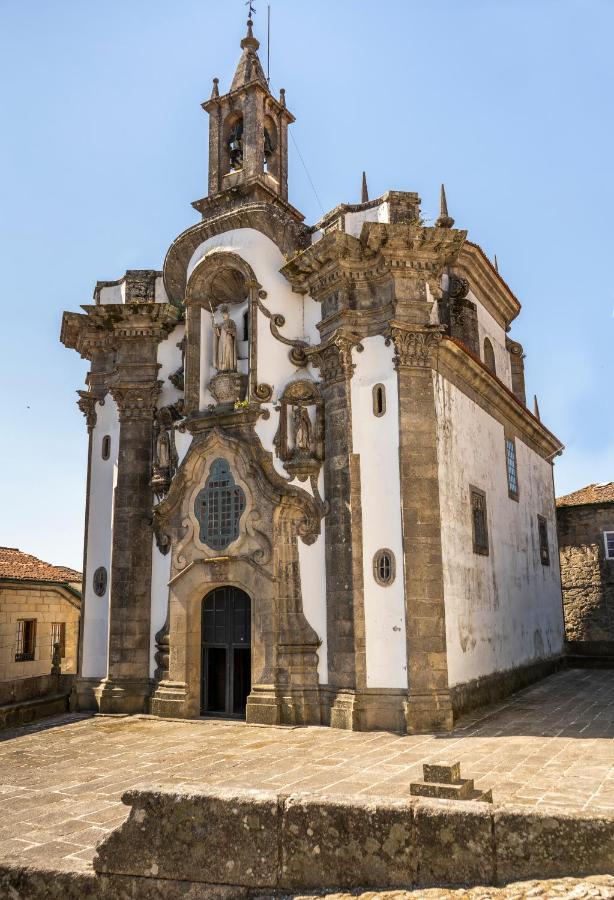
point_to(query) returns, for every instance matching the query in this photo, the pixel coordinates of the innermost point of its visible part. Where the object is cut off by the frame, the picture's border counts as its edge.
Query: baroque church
(315, 494)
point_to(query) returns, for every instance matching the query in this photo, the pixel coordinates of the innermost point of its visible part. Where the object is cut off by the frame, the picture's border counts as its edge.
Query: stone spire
(536, 408)
(249, 68)
(496, 264)
(444, 220)
(215, 92)
(365, 190)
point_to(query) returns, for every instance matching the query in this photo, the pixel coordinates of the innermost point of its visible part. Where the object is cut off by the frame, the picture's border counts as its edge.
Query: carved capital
(136, 400)
(87, 404)
(414, 346)
(334, 359)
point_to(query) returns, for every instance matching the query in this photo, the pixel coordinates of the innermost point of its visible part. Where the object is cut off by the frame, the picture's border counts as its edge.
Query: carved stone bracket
(415, 345)
(87, 404)
(297, 354)
(334, 358)
(302, 458)
(136, 400)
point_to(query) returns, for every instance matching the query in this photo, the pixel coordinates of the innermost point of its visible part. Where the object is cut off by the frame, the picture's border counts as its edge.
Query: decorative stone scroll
(414, 345)
(300, 437)
(297, 353)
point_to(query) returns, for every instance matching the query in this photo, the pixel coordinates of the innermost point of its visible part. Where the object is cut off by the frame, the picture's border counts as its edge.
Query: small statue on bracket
(225, 343)
(302, 432)
(301, 451)
(165, 459)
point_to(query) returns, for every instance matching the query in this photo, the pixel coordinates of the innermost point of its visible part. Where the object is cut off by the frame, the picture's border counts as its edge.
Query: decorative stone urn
(228, 388)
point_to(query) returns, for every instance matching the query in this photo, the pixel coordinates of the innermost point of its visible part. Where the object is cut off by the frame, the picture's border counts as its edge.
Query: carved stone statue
(302, 431)
(165, 459)
(226, 343)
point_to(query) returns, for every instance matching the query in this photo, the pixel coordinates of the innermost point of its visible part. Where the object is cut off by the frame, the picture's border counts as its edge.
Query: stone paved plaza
(62, 779)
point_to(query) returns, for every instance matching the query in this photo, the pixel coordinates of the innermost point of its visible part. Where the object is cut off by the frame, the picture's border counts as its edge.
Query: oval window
(106, 446)
(379, 400)
(384, 567)
(100, 581)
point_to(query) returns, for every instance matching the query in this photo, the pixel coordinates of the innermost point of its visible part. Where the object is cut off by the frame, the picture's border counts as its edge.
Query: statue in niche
(165, 457)
(302, 431)
(225, 343)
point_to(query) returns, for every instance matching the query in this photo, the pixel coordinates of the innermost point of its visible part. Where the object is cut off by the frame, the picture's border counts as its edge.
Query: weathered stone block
(444, 773)
(454, 843)
(221, 838)
(548, 844)
(332, 843)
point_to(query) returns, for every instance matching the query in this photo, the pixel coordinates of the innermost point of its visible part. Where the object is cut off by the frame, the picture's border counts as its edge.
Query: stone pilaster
(343, 534)
(428, 706)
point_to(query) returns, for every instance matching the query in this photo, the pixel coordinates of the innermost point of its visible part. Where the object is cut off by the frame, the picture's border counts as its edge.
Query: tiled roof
(592, 493)
(24, 567)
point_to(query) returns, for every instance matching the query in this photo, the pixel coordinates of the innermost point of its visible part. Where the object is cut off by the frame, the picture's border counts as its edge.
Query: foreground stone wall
(259, 840)
(587, 577)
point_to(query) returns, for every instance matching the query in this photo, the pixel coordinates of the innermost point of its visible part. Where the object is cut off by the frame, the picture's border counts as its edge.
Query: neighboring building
(354, 518)
(39, 606)
(585, 521)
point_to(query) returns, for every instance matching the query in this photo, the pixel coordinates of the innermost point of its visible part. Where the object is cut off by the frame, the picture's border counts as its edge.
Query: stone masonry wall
(587, 576)
(47, 605)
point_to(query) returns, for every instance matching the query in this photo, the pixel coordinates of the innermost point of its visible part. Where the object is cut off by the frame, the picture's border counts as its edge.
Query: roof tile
(24, 567)
(592, 493)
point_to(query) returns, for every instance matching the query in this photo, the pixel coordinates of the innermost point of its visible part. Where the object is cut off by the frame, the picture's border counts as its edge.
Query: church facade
(315, 492)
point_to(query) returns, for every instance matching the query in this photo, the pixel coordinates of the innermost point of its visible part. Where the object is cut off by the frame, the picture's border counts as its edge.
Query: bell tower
(248, 134)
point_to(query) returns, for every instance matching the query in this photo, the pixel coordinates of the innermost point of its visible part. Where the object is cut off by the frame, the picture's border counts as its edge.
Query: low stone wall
(24, 700)
(261, 841)
(492, 688)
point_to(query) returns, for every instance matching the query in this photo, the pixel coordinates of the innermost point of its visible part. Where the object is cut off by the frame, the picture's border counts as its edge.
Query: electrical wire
(307, 172)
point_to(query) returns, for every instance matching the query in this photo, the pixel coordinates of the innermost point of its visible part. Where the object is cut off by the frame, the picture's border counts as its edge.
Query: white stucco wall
(502, 610)
(488, 327)
(99, 540)
(169, 359)
(376, 440)
(160, 577)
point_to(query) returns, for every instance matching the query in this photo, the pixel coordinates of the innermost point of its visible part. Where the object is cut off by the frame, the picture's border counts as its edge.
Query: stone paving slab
(61, 780)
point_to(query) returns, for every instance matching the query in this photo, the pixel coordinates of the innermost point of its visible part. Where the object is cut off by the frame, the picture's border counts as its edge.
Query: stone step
(462, 790)
(442, 773)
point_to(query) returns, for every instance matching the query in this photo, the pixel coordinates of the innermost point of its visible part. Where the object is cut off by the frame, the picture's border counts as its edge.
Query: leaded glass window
(219, 507)
(512, 469)
(479, 521)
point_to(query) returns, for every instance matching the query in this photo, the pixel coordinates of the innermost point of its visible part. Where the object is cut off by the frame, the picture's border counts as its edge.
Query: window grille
(479, 521)
(25, 644)
(58, 636)
(544, 549)
(106, 446)
(384, 567)
(219, 507)
(512, 468)
(608, 540)
(100, 581)
(379, 400)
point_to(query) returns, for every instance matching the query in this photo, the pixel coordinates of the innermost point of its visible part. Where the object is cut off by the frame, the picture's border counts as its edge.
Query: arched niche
(220, 278)
(489, 356)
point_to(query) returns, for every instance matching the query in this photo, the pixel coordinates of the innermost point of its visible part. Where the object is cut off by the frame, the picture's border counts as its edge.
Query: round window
(100, 581)
(384, 567)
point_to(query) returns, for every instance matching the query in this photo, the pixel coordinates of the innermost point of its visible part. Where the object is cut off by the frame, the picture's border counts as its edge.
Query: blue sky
(105, 145)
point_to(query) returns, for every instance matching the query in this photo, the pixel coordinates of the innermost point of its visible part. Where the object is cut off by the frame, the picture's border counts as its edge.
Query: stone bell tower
(248, 135)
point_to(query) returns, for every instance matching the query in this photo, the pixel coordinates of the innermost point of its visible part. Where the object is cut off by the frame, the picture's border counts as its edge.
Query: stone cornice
(274, 221)
(486, 283)
(470, 375)
(229, 98)
(101, 327)
(383, 251)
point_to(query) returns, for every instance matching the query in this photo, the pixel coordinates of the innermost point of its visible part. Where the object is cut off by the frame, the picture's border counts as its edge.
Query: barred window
(219, 507)
(58, 636)
(512, 469)
(384, 567)
(544, 549)
(479, 521)
(25, 643)
(608, 540)
(99, 581)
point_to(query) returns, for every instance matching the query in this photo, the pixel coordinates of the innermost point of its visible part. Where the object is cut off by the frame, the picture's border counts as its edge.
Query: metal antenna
(268, 45)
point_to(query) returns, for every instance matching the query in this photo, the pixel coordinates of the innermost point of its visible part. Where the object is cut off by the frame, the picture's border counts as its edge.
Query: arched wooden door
(226, 652)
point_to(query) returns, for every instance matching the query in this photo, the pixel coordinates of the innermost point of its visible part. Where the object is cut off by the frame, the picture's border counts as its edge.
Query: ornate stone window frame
(384, 559)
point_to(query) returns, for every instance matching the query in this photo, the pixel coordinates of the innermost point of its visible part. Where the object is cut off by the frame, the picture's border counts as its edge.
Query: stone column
(343, 535)
(428, 706)
(135, 388)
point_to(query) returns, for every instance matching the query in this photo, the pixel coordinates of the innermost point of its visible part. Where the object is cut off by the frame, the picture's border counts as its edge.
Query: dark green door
(226, 652)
